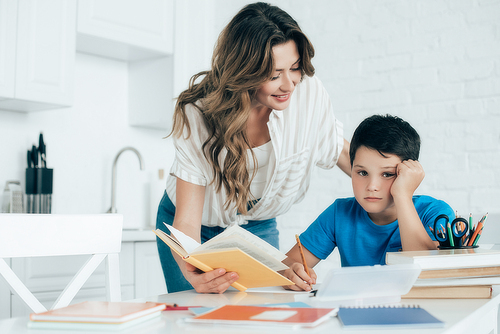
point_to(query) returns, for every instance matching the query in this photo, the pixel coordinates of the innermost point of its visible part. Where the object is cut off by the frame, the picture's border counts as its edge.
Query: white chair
(33, 235)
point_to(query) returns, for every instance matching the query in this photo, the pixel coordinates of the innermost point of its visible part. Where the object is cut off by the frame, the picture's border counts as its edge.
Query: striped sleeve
(189, 164)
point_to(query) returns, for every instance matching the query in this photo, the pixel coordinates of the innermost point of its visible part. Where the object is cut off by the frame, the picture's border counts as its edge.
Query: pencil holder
(458, 233)
(457, 247)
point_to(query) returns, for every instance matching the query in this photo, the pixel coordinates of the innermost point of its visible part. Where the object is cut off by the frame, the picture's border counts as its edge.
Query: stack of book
(95, 315)
(452, 273)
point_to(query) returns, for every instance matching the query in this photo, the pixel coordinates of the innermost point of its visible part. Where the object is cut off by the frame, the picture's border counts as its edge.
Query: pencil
(304, 263)
(479, 226)
(484, 218)
(450, 235)
(478, 235)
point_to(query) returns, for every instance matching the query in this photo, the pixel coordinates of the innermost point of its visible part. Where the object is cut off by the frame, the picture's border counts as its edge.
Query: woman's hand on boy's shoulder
(409, 175)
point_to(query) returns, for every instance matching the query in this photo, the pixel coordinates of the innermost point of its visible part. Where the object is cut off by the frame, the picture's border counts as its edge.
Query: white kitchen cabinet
(193, 46)
(141, 33)
(37, 54)
(150, 93)
(8, 24)
(140, 275)
(162, 52)
(149, 280)
(128, 30)
(154, 84)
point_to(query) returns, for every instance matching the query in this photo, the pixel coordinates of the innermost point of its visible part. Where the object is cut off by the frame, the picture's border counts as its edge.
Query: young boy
(384, 215)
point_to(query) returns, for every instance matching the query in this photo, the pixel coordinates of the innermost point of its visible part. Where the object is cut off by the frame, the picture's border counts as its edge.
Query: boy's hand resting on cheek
(298, 275)
(409, 175)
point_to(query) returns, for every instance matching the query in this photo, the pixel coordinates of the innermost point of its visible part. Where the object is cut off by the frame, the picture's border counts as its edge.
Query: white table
(467, 316)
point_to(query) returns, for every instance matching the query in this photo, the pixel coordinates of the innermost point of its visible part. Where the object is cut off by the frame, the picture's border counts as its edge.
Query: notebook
(143, 322)
(376, 317)
(201, 310)
(262, 315)
(100, 312)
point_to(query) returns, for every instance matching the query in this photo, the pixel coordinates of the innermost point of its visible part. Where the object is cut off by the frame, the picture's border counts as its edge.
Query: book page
(235, 241)
(250, 238)
(171, 242)
(234, 237)
(188, 243)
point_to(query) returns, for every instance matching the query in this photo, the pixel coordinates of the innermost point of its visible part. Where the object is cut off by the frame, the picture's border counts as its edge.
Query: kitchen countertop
(131, 235)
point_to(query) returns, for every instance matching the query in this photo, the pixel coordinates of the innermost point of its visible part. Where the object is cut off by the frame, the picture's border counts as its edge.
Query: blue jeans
(265, 229)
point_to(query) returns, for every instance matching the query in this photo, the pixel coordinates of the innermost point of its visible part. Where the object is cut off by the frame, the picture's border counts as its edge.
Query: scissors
(450, 235)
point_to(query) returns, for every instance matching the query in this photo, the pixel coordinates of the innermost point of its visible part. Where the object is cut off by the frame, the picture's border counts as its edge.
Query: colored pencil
(304, 263)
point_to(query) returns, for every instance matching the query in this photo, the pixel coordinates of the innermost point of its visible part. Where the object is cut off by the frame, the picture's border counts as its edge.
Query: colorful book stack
(95, 315)
(452, 273)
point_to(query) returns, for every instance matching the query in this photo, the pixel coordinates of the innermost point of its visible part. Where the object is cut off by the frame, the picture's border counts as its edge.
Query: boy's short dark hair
(386, 134)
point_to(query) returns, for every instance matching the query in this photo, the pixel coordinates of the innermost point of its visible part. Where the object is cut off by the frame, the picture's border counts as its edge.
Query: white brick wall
(434, 63)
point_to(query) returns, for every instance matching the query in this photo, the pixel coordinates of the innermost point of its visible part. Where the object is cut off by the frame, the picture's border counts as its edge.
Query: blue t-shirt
(346, 225)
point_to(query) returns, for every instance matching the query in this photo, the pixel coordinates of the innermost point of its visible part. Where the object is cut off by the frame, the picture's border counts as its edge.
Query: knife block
(39, 190)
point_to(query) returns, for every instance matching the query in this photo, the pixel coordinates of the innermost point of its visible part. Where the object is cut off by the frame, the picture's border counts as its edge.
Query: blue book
(387, 317)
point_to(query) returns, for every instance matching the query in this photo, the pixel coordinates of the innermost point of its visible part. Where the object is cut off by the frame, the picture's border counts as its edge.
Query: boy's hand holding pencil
(303, 276)
(303, 258)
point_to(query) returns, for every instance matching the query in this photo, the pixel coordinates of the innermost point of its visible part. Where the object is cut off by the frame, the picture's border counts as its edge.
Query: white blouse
(304, 134)
(262, 155)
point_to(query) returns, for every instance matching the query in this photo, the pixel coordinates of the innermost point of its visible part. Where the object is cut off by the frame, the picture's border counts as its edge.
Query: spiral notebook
(376, 317)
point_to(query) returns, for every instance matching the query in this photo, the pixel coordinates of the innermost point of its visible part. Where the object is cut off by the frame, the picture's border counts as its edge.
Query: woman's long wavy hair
(241, 63)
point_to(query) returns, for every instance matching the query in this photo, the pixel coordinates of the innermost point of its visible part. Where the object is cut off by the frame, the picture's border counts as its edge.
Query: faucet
(112, 209)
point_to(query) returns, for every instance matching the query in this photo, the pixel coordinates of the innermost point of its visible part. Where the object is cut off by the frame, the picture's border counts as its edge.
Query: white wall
(434, 63)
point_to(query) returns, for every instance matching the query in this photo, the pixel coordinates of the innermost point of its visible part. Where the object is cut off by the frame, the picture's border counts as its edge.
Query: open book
(235, 249)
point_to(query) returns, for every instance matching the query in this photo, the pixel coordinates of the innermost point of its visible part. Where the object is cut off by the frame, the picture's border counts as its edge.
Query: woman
(247, 134)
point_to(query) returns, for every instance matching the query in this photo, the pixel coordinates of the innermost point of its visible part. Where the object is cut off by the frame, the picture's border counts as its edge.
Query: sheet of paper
(274, 315)
(188, 243)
